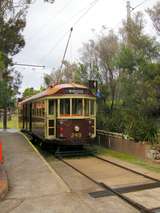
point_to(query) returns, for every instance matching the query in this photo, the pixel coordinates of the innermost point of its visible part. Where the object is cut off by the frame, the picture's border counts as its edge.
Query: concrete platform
(34, 187)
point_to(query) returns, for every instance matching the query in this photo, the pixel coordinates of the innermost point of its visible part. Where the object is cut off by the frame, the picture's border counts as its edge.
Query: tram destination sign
(75, 91)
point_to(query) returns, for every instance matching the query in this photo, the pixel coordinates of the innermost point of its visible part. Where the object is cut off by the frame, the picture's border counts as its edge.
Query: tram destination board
(75, 91)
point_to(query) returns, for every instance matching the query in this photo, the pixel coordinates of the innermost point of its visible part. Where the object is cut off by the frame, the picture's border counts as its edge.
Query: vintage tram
(63, 114)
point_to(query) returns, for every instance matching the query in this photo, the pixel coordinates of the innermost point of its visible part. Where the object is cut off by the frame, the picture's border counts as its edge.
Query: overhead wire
(65, 33)
(91, 5)
(140, 4)
(44, 26)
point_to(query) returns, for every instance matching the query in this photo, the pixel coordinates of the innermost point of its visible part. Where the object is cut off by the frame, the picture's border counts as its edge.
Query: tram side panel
(38, 119)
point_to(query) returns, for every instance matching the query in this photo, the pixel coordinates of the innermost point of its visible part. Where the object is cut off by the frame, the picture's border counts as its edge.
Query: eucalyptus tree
(155, 16)
(107, 48)
(89, 64)
(138, 61)
(70, 72)
(29, 92)
(12, 24)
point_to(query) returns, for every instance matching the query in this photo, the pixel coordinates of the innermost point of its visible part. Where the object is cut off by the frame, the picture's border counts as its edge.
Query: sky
(48, 26)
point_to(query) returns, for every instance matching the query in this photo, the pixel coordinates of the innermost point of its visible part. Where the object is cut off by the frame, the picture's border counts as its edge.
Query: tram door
(25, 113)
(51, 118)
(30, 117)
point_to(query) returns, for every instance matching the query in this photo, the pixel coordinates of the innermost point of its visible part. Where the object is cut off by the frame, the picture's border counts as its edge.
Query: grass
(129, 158)
(12, 124)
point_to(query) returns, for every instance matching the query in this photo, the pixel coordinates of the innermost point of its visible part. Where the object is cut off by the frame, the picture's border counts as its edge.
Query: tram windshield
(65, 107)
(92, 107)
(77, 107)
(86, 107)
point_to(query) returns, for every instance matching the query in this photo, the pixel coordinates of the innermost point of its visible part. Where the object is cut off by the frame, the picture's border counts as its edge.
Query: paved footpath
(36, 188)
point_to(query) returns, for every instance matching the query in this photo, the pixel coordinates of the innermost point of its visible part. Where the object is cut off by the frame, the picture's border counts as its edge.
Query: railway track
(108, 190)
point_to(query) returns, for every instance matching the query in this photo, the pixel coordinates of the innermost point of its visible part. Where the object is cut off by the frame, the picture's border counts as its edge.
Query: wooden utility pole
(1, 75)
(128, 11)
(128, 21)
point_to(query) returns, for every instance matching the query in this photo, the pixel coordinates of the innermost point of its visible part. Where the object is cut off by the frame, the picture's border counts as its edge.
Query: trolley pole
(60, 70)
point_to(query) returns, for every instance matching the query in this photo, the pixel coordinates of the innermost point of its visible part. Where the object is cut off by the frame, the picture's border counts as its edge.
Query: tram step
(72, 153)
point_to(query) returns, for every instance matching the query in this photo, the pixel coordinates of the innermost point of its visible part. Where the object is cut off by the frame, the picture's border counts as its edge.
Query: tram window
(65, 107)
(42, 111)
(51, 123)
(33, 109)
(86, 107)
(92, 107)
(76, 106)
(51, 131)
(39, 112)
(51, 107)
(51, 127)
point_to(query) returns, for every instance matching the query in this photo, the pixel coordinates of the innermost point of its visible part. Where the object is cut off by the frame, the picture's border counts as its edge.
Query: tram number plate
(76, 135)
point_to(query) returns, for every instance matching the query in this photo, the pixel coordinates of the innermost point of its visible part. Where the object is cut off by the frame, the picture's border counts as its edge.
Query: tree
(69, 73)
(134, 38)
(29, 92)
(107, 49)
(154, 14)
(1, 65)
(139, 81)
(89, 67)
(12, 23)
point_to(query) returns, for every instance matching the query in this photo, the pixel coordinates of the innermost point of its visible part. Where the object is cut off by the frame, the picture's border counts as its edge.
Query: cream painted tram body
(63, 114)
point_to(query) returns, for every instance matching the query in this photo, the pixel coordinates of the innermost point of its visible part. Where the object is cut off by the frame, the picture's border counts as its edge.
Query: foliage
(71, 72)
(29, 92)
(155, 16)
(12, 23)
(9, 88)
(136, 81)
(1, 62)
(126, 66)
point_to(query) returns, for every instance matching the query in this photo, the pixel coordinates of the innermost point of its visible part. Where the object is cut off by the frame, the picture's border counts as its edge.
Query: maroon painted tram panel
(67, 129)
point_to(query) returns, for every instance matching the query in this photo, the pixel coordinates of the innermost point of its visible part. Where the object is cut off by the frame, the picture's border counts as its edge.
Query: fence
(116, 141)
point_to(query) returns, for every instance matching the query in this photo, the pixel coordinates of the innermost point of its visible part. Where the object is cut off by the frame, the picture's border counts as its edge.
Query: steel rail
(126, 168)
(133, 203)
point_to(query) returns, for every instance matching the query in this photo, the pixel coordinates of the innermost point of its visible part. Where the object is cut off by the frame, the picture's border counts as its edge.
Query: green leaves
(155, 16)
(137, 83)
(29, 92)
(5, 94)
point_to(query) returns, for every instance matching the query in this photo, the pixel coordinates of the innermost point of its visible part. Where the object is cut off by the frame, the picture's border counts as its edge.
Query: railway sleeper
(123, 190)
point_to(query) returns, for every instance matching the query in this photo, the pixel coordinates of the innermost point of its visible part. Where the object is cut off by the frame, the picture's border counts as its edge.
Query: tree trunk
(5, 118)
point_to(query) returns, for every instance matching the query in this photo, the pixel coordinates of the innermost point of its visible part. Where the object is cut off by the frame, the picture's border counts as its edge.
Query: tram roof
(53, 89)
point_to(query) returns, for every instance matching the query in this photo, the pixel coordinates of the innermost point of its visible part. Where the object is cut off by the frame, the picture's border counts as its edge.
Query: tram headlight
(61, 135)
(76, 128)
(61, 122)
(90, 122)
